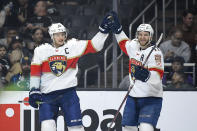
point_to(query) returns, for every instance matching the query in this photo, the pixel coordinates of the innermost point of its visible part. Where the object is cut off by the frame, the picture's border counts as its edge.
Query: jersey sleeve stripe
(157, 70)
(122, 46)
(71, 63)
(89, 48)
(45, 67)
(35, 70)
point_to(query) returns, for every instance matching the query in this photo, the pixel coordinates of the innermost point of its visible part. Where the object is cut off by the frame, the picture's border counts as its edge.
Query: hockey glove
(106, 24)
(140, 73)
(35, 96)
(116, 27)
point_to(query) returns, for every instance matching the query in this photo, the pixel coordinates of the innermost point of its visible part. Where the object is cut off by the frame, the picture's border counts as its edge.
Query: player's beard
(146, 45)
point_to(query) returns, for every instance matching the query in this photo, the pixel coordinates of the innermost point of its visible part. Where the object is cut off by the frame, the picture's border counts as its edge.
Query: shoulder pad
(45, 45)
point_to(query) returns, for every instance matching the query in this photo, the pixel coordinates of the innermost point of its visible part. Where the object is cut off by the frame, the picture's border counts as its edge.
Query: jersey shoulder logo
(158, 59)
(57, 64)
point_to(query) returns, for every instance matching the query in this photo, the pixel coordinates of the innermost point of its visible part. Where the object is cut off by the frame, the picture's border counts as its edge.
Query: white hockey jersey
(155, 64)
(55, 69)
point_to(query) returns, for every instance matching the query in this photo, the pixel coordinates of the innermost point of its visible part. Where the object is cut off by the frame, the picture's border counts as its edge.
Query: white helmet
(56, 28)
(146, 28)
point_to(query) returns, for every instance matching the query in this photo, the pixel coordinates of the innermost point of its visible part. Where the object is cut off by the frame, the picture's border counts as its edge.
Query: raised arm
(121, 37)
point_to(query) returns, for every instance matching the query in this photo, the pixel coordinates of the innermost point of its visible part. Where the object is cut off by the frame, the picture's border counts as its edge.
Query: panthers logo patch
(57, 64)
(158, 60)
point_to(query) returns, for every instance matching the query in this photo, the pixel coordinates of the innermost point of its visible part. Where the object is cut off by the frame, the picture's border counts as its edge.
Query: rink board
(179, 111)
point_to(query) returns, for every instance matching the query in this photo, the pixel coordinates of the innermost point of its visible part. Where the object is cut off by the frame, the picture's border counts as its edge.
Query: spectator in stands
(72, 2)
(4, 65)
(4, 10)
(38, 36)
(10, 32)
(178, 81)
(14, 57)
(36, 40)
(17, 43)
(24, 11)
(175, 47)
(8, 15)
(30, 46)
(40, 19)
(21, 80)
(188, 29)
(177, 66)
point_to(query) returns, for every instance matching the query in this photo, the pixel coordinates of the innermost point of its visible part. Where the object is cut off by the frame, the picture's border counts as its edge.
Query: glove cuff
(102, 30)
(34, 91)
(117, 31)
(147, 77)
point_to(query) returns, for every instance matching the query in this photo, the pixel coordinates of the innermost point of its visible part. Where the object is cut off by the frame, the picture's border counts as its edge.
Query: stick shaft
(23, 101)
(123, 101)
(37, 102)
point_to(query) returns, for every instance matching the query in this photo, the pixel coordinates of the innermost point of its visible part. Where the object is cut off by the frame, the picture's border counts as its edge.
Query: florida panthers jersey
(155, 64)
(56, 68)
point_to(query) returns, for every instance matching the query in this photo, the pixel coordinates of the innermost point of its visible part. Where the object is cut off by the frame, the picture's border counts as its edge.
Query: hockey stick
(130, 87)
(37, 102)
(42, 102)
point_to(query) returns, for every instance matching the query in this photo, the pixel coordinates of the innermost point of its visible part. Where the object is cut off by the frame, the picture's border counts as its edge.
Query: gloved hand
(116, 26)
(35, 96)
(106, 24)
(140, 73)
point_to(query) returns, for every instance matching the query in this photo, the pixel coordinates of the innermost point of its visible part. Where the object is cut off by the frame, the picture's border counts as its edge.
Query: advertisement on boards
(98, 108)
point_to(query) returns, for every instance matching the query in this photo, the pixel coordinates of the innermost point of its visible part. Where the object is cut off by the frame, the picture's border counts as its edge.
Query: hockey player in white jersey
(53, 75)
(144, 102)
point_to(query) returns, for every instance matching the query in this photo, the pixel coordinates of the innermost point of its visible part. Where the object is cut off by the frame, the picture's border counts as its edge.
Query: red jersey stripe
(45, 67)
(89, 48)
(122, 46)
(157, 70)
(35, 70)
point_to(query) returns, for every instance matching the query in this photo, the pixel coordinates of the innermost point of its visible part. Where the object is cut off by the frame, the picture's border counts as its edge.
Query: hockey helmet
(145, 28)
(56, 28)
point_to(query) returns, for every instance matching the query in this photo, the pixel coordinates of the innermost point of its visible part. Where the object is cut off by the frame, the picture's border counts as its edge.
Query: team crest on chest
(57, 64)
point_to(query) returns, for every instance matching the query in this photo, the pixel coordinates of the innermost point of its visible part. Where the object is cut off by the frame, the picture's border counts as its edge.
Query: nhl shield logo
(57, 64)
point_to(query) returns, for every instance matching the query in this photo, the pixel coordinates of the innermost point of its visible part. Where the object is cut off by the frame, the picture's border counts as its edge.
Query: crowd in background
(24, 26)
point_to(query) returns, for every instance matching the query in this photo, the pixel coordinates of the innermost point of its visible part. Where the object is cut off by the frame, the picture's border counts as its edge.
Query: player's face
(144, 38)
(59, 39)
